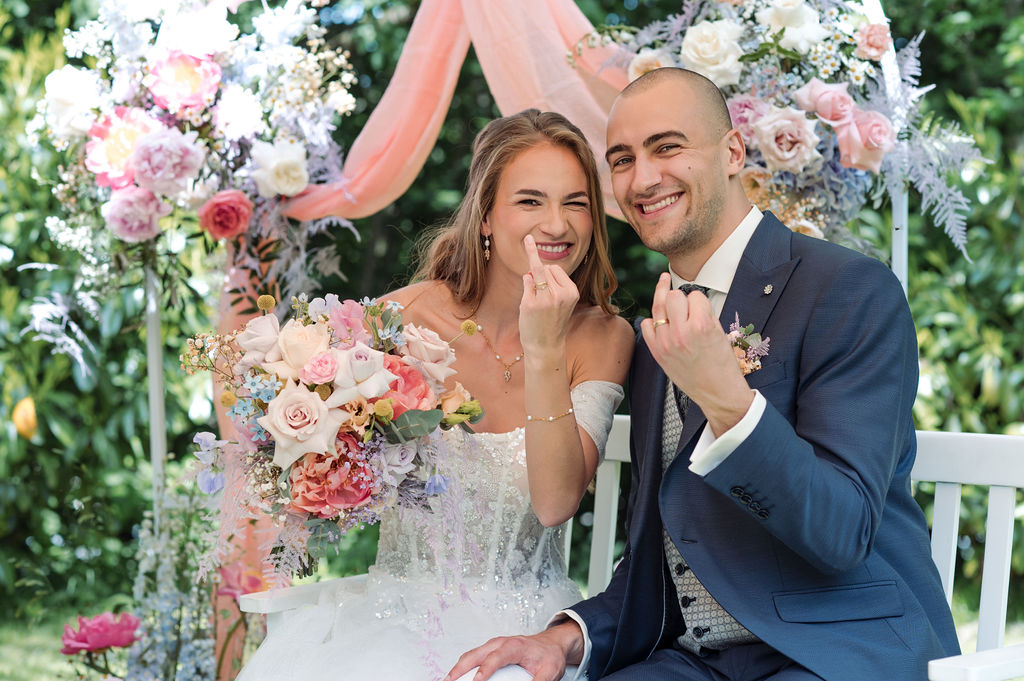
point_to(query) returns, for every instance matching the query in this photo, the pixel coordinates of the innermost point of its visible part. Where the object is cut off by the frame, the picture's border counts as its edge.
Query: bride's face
(542, 192)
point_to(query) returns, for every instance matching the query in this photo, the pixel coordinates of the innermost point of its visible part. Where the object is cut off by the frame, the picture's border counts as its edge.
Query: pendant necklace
(506, 365)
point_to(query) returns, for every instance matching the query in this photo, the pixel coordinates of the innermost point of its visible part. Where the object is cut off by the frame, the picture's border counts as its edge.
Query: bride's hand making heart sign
(549, 298)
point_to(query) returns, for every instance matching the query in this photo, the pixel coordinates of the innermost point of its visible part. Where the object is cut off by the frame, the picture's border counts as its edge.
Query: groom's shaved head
(710, 100)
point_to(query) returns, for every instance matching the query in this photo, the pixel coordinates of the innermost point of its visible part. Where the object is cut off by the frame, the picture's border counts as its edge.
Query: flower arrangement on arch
(335, 410)
(170, 122)
(824, 128)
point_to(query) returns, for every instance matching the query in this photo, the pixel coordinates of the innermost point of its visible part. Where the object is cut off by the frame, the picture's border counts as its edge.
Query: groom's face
(667, 171)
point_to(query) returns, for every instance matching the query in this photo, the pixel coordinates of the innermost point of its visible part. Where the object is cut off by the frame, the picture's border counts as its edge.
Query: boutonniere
(748, 346)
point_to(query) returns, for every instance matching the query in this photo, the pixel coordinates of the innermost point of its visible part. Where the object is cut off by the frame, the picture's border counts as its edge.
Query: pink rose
(296, 345)
(166, 161)
(236, 580)
(409, 390)
(112, 142)
(320, 369)
(300, 422)
(226, 215)
(133, 214)
(325, 484)
(865, 140)
(180, 81)
(745, 110)
(873, 41)
(426, 351)
(99, 633)
(347, 320)
(787, 140)
(831, 102)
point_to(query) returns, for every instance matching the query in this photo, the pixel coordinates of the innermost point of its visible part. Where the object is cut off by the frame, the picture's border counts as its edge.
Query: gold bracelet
(549, 418)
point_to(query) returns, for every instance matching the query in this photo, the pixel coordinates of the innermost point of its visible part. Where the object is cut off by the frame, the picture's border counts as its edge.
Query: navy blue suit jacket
(807, 533)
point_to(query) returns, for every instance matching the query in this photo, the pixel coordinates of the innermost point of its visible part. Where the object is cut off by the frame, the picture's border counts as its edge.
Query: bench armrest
(292, 597)
(988, 665)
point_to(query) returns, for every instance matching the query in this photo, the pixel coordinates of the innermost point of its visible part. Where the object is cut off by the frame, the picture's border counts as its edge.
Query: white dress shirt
(717, 275)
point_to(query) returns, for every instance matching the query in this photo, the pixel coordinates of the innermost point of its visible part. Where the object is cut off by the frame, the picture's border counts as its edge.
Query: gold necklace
(506, 365)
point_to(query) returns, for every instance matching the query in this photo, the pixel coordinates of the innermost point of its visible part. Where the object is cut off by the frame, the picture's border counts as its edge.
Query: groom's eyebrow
(649, 142)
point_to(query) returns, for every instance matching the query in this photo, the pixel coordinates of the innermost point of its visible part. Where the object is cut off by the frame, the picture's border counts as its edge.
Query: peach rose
(226, 215)
(873, 41)
(865, 141)
(454, 398)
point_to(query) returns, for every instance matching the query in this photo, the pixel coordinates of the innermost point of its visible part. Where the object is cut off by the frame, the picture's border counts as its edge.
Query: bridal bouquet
(824, 121)
(333, 410)
(171, 123)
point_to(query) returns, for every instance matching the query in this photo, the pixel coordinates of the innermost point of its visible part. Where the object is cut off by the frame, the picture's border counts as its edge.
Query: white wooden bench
(948, 459)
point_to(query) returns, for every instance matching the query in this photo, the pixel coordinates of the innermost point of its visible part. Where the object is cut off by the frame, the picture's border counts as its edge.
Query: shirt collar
(718, 272)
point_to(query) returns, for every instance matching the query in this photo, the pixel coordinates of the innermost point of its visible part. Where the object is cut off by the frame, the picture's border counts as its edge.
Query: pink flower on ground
(166, 161)
(180, 81)
(99, 633)
(873, 41)
(226, 215)
(745, 110)
(237, 579)
(112, 142)
(133, 214)
(347, 320)
(831, 102)
(865, 141)
(320, 369)
(787, 140)
(327, 484)
(409, 390)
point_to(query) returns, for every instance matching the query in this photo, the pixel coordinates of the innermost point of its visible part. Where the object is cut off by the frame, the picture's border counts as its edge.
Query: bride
(524, 261)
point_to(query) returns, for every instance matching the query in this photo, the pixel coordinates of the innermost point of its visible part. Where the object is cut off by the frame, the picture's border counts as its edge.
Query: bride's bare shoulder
(422, 299)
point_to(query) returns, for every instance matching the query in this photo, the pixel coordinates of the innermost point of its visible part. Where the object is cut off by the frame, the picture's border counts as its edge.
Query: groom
(772, 531)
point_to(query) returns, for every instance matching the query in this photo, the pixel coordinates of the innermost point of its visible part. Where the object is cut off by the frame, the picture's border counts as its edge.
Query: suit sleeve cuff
(711, 451)
(563, 615)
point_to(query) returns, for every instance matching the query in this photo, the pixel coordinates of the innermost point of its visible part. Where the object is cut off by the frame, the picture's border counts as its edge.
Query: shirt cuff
(710, 451)
(561, 616)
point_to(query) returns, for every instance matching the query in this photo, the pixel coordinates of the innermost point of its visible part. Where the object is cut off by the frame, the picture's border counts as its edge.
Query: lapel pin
(768, 289)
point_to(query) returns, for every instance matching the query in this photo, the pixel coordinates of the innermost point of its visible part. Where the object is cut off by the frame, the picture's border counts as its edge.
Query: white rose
(296, 345)
(71, 95)
(648, 60)
(280, 168)
(300, 423)
(800, 21)
(711, 49)
(786, 139)
(361, 372)
(259, 336)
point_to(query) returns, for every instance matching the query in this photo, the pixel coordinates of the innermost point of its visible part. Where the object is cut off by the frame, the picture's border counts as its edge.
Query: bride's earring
(487, 248)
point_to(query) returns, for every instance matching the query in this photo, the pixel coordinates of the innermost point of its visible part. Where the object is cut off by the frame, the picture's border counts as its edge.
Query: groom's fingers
(648, 327)
(472, 659)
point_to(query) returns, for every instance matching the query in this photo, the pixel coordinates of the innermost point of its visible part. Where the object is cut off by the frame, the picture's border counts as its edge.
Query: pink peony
(745, 110)
(320, 369)
(112, 142)
(831, 102)
(167, 161)
(325, 484)
(873, 41)
(409, 390)
(787, 140)
(133, 214)
(236, 580)
(347, 320)
(99, 633)
(226, 215)
(865, 141)
(180, 81)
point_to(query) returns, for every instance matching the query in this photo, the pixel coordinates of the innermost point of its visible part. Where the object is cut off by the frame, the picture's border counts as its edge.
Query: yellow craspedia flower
(383, 409)
(266, 303)
(468, 327)
(227, 399)
(24, 418)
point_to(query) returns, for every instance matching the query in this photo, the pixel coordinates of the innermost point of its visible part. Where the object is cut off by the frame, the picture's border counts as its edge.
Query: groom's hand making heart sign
(688, 342)
(549, 298)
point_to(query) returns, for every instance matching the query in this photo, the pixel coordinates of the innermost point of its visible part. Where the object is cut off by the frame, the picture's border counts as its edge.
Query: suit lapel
(766, 262)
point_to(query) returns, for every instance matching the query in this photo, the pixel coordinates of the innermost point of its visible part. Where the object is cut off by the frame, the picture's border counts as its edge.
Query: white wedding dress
(475, 565)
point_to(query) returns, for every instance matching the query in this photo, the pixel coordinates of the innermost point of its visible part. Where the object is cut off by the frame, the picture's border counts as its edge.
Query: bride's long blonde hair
(453, 253)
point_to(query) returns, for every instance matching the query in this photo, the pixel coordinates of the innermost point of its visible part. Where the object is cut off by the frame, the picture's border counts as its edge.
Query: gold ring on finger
(540, 286)
(659, 322)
